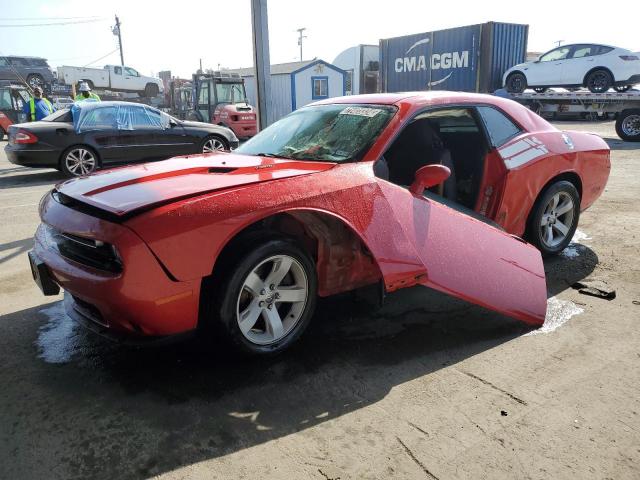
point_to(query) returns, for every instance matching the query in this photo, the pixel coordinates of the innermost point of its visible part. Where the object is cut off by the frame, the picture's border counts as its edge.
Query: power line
(51, 24)
(20, 19)
(104, 56)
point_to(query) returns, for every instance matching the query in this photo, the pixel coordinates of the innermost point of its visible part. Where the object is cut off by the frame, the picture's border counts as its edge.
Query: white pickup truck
(112, 77)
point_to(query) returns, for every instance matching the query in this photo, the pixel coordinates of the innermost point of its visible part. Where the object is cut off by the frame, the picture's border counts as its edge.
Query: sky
(174, 36)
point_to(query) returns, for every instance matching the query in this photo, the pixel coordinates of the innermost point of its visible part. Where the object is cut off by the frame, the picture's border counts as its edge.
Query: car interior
(451, 137)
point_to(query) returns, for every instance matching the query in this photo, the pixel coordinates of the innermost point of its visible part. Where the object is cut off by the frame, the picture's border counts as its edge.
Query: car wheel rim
(516, 83)
(80, 162)
(599, 82)
(35, 82)
(557, 219)
(272, 299)
(631, 125)
(212, 145)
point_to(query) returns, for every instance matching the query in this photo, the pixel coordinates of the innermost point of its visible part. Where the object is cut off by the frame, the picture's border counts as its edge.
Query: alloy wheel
(272, 299)
(631, 125)
(212, 145)
(80, 161)
(599, 82)
(35, 81)
(557, 219)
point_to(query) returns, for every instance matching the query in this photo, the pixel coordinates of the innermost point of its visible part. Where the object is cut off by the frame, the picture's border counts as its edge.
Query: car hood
(190, 123)
(123, 191)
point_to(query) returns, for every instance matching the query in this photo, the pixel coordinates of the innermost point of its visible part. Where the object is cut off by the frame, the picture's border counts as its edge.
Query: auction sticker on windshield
(361, 111)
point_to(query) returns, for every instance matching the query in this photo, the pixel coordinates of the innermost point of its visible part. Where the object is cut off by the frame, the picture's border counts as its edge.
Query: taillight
(24, 136)
(629, 58)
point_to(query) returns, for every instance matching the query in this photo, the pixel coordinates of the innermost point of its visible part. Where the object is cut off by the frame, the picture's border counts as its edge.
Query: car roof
(439, 96)
(573, 44)
(23, 56)
(111, 103)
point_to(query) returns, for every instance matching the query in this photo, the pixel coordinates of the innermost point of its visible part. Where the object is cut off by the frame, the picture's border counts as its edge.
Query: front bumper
(32, 157)
(139, 301)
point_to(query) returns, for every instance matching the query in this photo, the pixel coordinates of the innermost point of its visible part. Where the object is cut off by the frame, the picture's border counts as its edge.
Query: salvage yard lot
(426, 387)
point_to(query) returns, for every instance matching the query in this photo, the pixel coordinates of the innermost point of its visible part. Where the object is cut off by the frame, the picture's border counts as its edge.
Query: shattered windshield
(335, 133)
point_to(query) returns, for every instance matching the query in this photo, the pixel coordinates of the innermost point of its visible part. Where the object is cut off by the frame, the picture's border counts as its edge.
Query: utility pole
(200, 71)
(300, 37)
(116, 31)
(260, 27)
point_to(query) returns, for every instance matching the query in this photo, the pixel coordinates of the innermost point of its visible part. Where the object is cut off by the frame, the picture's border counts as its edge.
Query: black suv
(34, 71)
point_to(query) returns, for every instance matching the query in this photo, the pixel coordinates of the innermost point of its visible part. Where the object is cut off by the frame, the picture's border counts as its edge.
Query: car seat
(418, 145)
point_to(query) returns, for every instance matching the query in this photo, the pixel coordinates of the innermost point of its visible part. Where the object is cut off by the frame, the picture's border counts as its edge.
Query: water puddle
(558, 313)
(58, 339)
(575, 249)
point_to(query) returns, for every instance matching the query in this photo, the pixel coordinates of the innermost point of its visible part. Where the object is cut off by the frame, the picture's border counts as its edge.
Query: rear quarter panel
(588, 159)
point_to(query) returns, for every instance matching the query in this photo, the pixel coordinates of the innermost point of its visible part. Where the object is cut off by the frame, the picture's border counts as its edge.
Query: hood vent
(221, 169)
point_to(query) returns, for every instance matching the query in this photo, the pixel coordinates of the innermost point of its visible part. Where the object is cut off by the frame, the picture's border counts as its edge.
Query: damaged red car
(435, 189)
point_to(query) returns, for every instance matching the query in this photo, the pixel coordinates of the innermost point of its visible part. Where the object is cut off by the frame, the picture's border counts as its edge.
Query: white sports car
(597, 67)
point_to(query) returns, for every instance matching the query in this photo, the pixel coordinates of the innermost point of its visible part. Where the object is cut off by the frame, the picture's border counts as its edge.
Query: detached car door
(469, 259)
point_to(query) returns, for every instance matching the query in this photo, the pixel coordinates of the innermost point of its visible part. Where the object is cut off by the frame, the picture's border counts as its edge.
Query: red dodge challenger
(435, 189)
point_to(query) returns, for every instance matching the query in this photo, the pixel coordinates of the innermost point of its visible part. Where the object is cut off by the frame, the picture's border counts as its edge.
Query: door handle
(559, 63)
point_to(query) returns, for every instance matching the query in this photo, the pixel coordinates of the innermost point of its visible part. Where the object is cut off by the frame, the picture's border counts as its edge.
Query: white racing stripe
(522, 152)
(511, 150)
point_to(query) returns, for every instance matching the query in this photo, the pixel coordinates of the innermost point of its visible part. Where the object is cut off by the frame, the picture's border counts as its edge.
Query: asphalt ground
(426, 387)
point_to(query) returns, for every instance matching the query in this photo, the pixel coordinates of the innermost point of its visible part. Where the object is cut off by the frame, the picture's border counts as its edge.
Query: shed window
(320, 87)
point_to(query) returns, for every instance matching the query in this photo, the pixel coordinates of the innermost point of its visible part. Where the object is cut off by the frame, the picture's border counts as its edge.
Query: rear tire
(599, 81)
(516, 83)
(35, 80)
(151, 90)
(79, 161)
(628, 125)
(554, 218)
(250, 310)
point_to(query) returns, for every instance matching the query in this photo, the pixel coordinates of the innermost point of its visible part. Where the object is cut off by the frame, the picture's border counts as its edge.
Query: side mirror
(173, 123)
(429, 176)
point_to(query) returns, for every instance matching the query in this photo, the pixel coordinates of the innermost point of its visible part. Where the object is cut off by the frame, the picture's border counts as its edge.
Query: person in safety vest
(38, 107)
(86, 93)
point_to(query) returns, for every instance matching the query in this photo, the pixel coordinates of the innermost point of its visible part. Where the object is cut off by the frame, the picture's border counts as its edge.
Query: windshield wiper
(271, 155)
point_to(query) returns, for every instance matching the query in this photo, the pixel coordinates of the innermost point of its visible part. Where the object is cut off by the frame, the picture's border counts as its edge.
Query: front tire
(599, 81)
(628, 125)
(214, 143)
(78, 161)
(516, 83)
(267, 297)
(622, 88)
(554, 218)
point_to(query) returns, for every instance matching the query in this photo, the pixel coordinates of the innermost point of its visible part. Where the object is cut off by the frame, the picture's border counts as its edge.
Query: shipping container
(469, 59)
